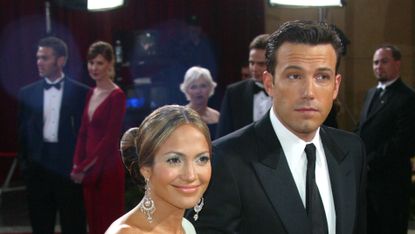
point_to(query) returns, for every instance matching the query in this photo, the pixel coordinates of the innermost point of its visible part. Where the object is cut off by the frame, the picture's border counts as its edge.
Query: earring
(197, 208)
(147, 204)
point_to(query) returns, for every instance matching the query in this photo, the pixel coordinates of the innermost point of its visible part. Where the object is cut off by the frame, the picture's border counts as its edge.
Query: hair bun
(128, 147)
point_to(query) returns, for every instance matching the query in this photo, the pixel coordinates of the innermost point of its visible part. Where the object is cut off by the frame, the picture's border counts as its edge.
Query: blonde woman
(198, 86)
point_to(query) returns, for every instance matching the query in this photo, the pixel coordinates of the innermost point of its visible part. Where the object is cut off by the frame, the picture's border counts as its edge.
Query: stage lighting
(307, 3)
(101, 5)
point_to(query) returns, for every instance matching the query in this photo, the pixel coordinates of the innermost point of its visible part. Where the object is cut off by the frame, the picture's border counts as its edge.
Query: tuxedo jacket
(389, 135)
(237, 107)
(31, 124)
(253, 191)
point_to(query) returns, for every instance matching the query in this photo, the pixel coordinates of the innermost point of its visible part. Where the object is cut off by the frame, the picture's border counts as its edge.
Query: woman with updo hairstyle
(97, 164)
(168, 156)
(198, 86)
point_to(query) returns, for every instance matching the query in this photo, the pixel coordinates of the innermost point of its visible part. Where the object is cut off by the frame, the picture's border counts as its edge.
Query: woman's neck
(200, 109)
(105, 84)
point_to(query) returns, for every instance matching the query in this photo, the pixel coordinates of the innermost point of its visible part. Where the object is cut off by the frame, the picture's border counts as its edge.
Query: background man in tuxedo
(387, 127)
(246, 101)
(286, 173)
(49, 119)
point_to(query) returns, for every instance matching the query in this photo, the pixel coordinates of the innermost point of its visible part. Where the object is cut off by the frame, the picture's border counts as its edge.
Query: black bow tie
(47, 86)
(258, 89)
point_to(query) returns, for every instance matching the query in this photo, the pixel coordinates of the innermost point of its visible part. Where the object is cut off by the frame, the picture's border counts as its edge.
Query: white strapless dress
(188, 227)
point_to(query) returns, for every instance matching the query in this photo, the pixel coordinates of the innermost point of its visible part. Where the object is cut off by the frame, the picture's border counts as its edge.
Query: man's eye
(294, 76)
(323, 77)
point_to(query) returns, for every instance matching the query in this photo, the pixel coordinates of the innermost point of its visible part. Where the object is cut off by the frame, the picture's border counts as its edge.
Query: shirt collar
(386, 84)
(289, 141)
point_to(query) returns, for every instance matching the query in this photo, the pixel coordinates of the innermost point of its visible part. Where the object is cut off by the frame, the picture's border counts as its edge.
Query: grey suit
(252, 189)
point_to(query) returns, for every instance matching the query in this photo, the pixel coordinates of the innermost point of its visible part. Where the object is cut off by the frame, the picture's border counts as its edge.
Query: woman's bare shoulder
(121, 229)
(125, 225)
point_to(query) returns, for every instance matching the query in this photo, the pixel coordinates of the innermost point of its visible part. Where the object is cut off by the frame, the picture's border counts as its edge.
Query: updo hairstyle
(139, 145)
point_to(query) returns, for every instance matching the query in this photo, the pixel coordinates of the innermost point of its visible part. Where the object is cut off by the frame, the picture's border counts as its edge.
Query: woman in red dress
(97, 161)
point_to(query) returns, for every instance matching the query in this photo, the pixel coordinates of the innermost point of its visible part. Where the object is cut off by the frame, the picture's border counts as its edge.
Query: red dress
(97, 153)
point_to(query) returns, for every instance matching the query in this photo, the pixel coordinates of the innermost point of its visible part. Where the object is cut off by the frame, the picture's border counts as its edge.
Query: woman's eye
(202, 160)
(174, 160)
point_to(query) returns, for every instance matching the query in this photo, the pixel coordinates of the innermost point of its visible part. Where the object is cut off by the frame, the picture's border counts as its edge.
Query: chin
(186, 203)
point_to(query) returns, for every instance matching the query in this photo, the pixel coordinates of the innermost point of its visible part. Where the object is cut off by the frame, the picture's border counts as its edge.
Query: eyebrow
(183, 155)
(321, 69)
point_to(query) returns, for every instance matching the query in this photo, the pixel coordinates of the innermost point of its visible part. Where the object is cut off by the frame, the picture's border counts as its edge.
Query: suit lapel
(366, 105)
(38, 98)
(343, 184)
(249, 101)
(65, 107)
(275, 176)
(389, 92)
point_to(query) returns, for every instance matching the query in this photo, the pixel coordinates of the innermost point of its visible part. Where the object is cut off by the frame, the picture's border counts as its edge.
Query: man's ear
(268, 82)
(61, 61)
(337, 81)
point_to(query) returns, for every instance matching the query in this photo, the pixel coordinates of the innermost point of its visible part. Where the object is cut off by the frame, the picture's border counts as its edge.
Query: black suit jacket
(388, 133)
(252, 189)
(237, 107)
(31, 124)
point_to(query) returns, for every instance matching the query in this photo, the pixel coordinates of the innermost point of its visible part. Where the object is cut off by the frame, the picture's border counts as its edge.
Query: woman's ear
(146, 172)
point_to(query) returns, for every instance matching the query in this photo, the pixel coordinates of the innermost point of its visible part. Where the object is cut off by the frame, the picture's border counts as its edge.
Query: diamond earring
(197, 208)
(146, 204)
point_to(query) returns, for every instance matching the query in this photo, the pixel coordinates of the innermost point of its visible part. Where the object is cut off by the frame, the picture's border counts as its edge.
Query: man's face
(303, 87)
(257, 64)
(48, 64)
(385, 67)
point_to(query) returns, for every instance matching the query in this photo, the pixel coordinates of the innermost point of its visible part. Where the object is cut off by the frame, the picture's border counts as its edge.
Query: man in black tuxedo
(286, 173)
(387, 127)
(49, 119)
(246, 101)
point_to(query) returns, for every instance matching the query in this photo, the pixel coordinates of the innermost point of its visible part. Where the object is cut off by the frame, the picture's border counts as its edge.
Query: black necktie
(376, 99)
(314, 204)
(47, 86)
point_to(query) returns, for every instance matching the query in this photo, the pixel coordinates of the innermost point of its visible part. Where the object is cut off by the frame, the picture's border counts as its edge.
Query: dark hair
(139, 145)
(59, 47)
(396, 52)
(259, 42)
(100, 48)
(301, 32)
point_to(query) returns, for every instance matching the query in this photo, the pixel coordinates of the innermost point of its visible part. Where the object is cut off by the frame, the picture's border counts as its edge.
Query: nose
(189, 173)
(309, 88)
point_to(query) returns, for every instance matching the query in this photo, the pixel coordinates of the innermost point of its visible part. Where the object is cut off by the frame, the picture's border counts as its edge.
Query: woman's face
(198, 91)
(99, 68)
(181, 170)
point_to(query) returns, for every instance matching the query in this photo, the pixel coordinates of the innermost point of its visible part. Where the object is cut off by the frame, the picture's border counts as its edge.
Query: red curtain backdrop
(228, 24)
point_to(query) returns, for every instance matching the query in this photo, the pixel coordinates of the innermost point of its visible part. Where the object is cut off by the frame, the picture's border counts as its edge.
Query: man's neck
(55, 77)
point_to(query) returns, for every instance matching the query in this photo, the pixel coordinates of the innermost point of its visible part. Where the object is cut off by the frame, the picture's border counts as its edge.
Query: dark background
(227, 25)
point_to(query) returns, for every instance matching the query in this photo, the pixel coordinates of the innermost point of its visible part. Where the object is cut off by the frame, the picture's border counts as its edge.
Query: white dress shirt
(293, 148)
(51, 109)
